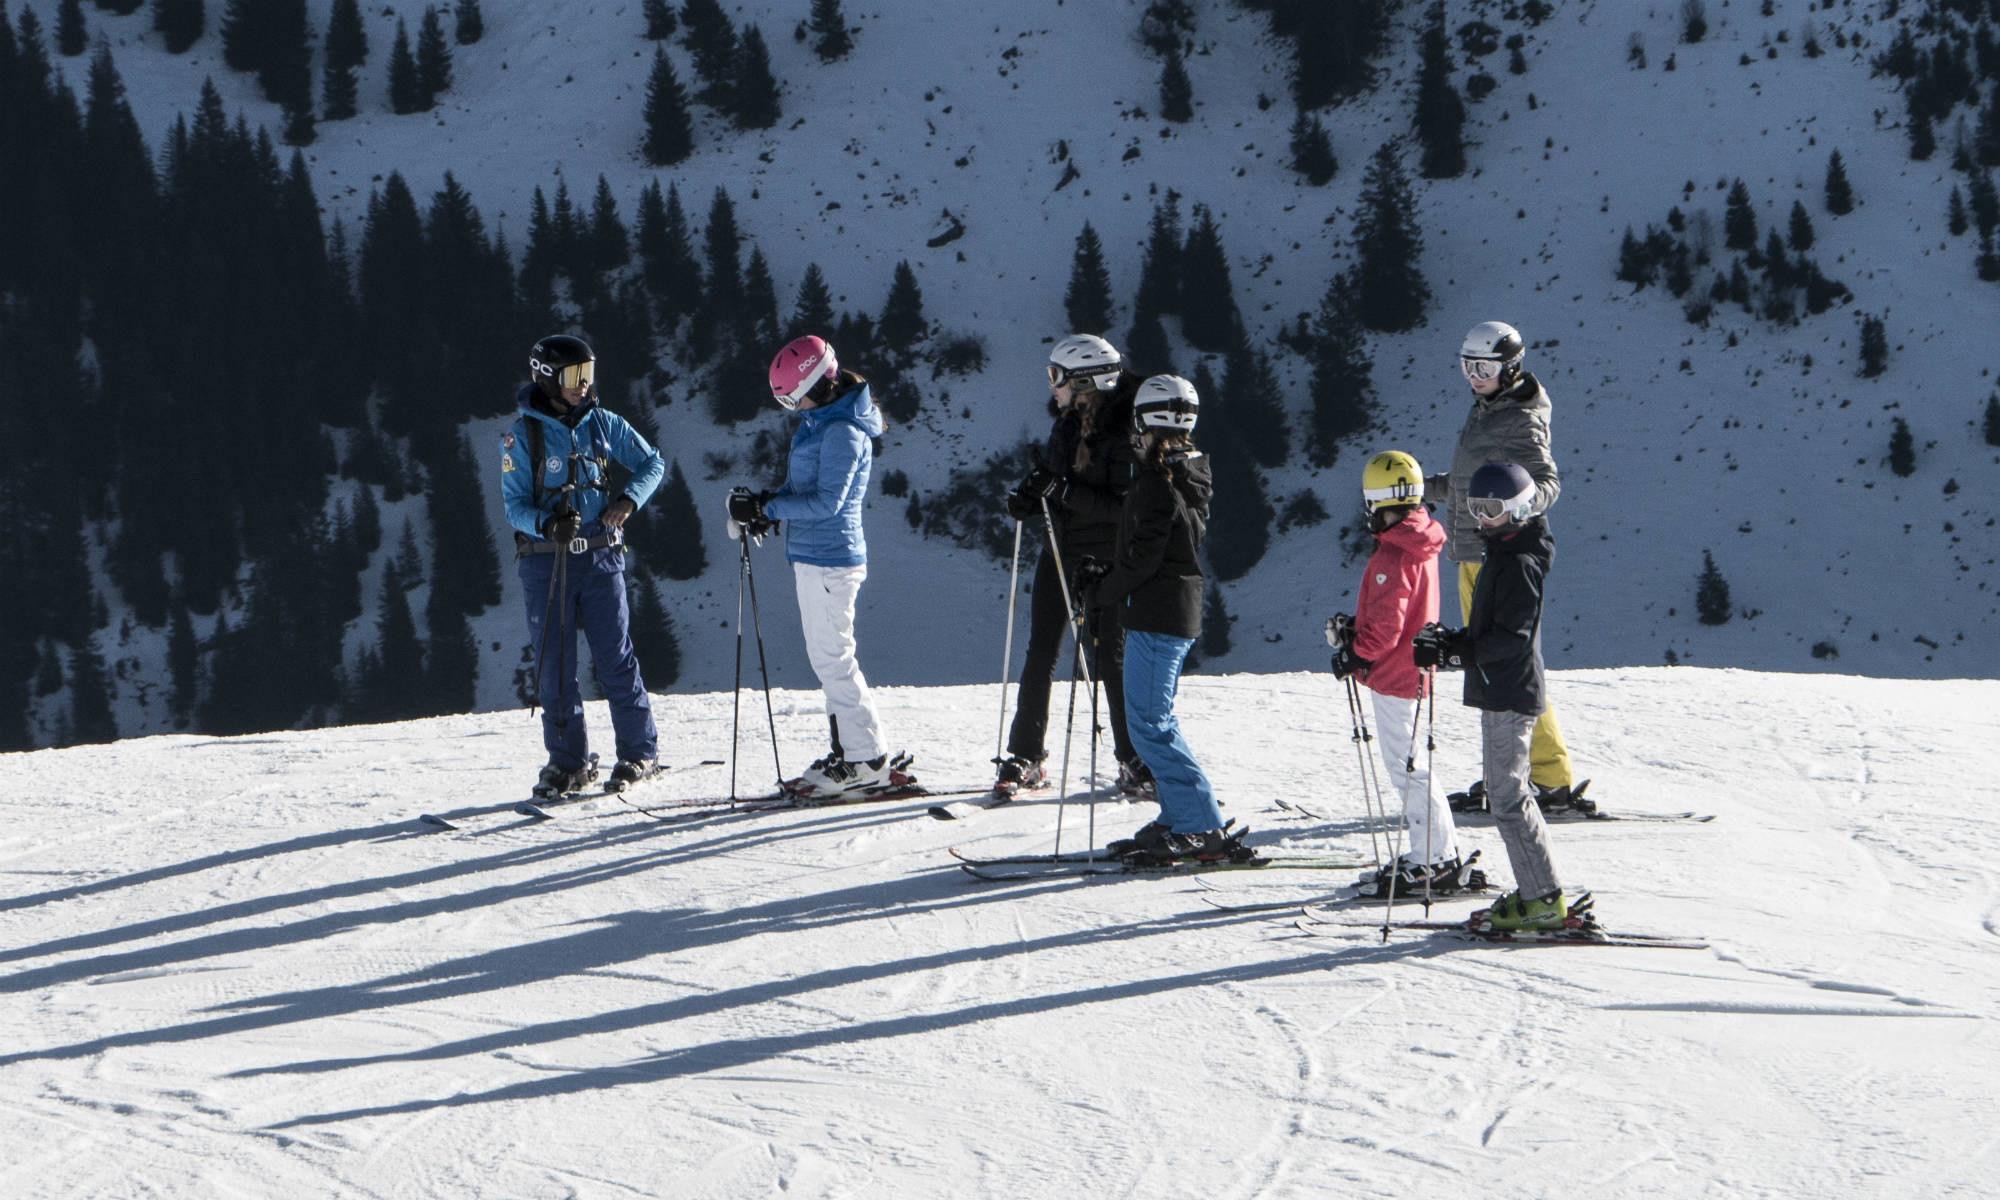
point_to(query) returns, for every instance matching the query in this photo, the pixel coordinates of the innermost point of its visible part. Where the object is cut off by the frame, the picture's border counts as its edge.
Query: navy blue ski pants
(593, 600)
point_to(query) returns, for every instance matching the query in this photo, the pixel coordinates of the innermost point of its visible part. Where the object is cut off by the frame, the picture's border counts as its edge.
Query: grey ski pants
(1505, 738)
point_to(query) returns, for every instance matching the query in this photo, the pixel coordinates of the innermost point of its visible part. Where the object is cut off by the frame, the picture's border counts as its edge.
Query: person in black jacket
(1154, 585)
(1082, 474)
(1500, 649)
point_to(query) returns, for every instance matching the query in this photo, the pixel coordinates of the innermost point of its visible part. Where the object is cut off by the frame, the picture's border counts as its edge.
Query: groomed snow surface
(241, 968)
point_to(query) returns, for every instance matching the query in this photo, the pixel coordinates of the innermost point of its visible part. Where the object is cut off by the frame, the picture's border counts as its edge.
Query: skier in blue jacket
(826, 480)
(569, 541)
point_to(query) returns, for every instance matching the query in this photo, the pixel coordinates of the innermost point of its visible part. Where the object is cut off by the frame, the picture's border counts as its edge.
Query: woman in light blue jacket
(820, 504)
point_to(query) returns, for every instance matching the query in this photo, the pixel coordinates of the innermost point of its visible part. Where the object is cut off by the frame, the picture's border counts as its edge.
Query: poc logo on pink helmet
(799, 367)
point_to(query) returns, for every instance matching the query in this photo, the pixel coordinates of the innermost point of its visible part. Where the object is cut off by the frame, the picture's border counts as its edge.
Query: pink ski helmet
(799, 368)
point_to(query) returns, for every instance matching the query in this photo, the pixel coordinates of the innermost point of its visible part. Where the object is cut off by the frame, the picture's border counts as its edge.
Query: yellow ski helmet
(1392, 479)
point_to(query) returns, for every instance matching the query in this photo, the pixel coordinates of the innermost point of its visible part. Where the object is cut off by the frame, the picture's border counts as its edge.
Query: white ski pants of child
(1432, 838)
(826, 612)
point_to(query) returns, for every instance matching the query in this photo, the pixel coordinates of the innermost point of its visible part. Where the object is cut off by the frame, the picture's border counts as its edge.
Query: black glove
(746, 508)
(1436, 646)
(1089, 572)
(1346, 662)
(1339, 630)
(1023, 506)
(563, 525)
(1044, 484)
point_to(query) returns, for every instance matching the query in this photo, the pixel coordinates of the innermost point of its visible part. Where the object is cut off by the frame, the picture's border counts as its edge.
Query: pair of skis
(1084, 864)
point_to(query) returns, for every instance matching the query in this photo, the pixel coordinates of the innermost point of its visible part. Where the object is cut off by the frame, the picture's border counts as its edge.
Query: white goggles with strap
(1479, 370)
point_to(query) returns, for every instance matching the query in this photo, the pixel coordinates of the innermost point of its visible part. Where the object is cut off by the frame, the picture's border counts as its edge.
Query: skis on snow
(1580, 930)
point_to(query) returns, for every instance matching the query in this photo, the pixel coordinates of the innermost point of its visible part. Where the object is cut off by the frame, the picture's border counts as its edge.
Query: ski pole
(762, 667)
(736, 692)
(1076, 639)
(1007, 652)
(542, 649)
(1371, 786)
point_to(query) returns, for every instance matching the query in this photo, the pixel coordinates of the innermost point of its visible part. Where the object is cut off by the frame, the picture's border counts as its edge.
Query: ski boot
(1551, 913)
(1019, 774)
(1567, 800)
(556, 782)
(1156, 845)
(835, 778)
(1447, 878)
(1135, 779)
(631, 771)
(1472, 799)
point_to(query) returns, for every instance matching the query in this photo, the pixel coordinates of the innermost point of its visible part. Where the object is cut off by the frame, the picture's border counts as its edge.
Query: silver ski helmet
(1085, 358)
(559, 361)
(1166, 402)
(1492, 350)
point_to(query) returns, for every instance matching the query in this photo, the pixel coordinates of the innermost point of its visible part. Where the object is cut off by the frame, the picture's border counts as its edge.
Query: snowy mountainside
(1757, 443)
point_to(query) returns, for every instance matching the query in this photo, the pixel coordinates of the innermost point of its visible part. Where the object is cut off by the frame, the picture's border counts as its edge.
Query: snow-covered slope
(1758, 444)
(240, 968)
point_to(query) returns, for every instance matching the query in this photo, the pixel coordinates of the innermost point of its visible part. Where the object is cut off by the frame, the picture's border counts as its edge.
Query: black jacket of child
(1155, 583)
(1503, 661)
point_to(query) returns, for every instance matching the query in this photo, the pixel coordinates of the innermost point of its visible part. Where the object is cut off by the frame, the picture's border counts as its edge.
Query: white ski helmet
(1085, 356)
(1492, 350)
(1166, 402)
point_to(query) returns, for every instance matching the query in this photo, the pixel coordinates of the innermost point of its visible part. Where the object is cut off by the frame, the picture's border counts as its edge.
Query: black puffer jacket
(1155, 582)
(1087, 518)
(1503, 665)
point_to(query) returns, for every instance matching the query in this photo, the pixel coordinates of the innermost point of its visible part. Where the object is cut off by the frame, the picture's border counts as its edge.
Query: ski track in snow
(289, 985)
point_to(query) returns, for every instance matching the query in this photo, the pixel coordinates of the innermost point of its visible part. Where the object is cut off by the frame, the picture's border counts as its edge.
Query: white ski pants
(826, 612)
(1432, 838)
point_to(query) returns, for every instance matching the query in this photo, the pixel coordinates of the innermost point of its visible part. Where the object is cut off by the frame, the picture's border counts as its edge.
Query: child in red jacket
(1399, 596)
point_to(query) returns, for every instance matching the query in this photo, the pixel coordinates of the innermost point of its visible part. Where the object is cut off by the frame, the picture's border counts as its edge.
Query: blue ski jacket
(826, 481)
(598, 436)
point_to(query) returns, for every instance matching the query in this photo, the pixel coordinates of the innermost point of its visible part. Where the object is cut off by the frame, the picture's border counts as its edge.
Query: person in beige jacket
(1508, 423)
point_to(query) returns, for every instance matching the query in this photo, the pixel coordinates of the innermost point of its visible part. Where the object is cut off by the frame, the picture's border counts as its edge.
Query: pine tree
(71, 36)
(1711, 593)
(339, 93)
(91, 722)
(1215, 623)
(180, 23)
(1087, 301)
(1992, 421)
(724, 246)
(757, 329)
(1917, 125)
(346, 40)
(468, 26)
(1956, 219)
(1208, 299)
(610, 246)
(1253, 403)
(1839, 194)
(1389, 289)
(1342, 388)
(660, 24)
(902, 324)
(1332, 46)
(1176, 92)
(433, 59)
(285, 68)
(672, 275)
(183, 665)
(1312, 150)
(1440, 118)
(831, 39)
(1146, 345)
(669, 129)
(394, 661)
(1801, 238)
(1902, 449)
(1160, 269)
(300, 129)
(406, 90)
(1739, 219)
(675, 541)
(243, 35)
(1874, 347)
(812, 312)
(709, 37)
(754, 90)
(652, 631)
